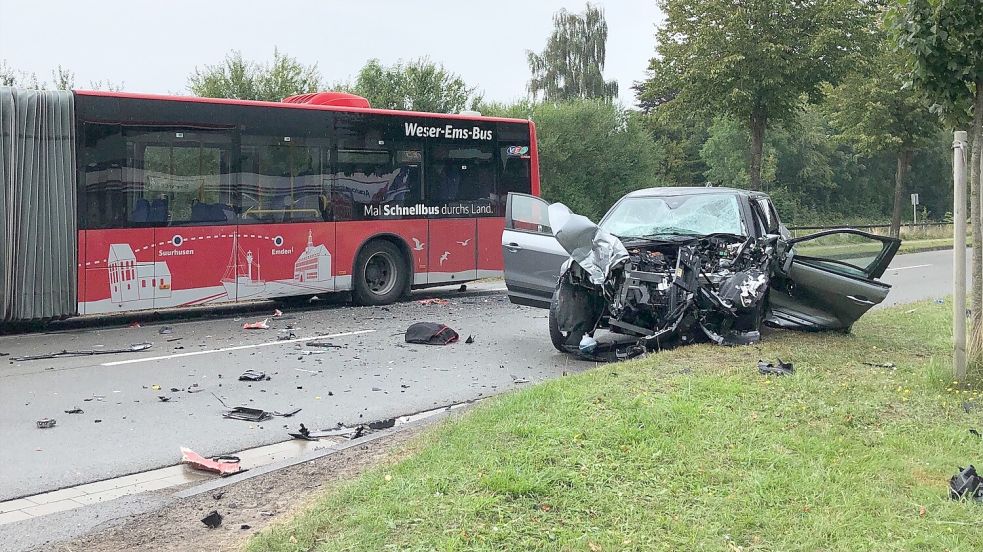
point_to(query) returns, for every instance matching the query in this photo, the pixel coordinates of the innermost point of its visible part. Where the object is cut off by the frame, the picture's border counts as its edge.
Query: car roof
(690, 190)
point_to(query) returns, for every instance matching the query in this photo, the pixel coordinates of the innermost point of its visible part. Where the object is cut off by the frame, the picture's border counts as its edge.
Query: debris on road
(966, 484)
(286, 414)
(881, 364)
(222, 465)
(287, 337)
(166, 330)
(323, 344)
(254, 375)
(217, 495)
(519, 380)
(434, 301)
(463, 288)
(779, 368)
(469, 340)
(261, 325)
(248, 414)
(277, 313)
(163, 398)
(430, 333)
(136, 347)
(303, 433)
(212, 520)
(45, 423)
(135, 324)
(75, 410)
(155, 387)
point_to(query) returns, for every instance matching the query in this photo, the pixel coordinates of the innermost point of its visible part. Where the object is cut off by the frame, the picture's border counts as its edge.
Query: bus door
(183, 188)
(460, 187)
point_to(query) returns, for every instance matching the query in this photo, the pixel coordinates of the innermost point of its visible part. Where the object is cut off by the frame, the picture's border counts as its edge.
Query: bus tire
(380, 275)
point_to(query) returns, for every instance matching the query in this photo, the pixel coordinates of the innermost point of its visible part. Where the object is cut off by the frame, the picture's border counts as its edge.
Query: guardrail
(928, 229)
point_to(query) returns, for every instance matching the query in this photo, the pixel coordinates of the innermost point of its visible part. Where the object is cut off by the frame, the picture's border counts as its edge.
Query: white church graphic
(133, 281)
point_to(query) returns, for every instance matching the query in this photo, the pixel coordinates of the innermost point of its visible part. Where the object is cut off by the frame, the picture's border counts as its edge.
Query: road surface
(125, 428)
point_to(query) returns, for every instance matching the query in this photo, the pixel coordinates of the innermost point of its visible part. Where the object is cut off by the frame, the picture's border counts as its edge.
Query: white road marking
(238, 348)
(907, 267)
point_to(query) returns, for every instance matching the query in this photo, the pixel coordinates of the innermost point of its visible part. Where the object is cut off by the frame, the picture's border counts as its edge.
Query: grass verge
(690, 449)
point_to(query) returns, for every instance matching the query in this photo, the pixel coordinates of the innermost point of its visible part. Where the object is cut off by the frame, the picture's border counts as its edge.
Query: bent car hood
(595, 250)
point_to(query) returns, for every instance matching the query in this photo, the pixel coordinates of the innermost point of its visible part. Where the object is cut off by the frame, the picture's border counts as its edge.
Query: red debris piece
(261, 325)
(433, 301)
(277, 313)
(135, 324)
(197, 461)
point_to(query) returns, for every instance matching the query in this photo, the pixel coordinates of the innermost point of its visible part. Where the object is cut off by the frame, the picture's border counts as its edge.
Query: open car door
(532, 255)
(828, 280)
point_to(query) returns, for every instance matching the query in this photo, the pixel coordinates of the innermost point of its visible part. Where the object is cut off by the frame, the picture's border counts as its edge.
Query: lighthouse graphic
(312, 272)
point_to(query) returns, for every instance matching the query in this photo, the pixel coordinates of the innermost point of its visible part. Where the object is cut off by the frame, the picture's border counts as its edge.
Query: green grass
(689, 449)
(865, 250)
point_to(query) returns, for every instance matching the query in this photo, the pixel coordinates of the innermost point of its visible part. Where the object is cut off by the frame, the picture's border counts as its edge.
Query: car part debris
(254, 375)
(463, 288)
(75, 410)
(136, 347)
(430, 333)
(97, 421)
(966, 484)
(217, 495)
(45, 423)
(519, 380)
(779, 368)
(277, 313)
(248, 414)
(286, 414)
(261, 325)
(213, 519)
(433, 301)
(163, 398)
(303, 434)
(323, 344)
(166, 330)
(890, 365)
(222, 465)
(4, 354)
(287, 337)
(245, 526)
(469, 340)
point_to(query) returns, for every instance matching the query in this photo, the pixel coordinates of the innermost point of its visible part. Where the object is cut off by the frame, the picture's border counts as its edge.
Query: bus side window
(461, 173)
(366, 180)
(101, 190)
(281, 181)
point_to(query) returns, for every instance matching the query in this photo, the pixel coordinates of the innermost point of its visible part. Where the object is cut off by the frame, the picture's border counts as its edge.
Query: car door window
(527, 213)
(847, 252)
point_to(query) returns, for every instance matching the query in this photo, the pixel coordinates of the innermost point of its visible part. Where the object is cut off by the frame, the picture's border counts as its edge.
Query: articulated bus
(119, 202)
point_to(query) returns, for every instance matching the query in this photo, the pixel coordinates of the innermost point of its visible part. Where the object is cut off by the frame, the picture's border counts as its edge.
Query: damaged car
(677, 265)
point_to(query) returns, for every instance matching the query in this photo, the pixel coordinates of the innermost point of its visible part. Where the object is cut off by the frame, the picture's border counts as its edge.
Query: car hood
(595, 250)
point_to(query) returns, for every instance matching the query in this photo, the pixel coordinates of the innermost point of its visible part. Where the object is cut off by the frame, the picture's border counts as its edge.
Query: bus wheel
(380, 274)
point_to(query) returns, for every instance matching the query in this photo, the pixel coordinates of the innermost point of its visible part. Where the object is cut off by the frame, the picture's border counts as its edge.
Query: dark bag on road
(430, 333)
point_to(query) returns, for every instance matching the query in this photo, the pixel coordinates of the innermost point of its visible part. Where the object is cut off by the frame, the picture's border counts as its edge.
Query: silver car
(670, 265)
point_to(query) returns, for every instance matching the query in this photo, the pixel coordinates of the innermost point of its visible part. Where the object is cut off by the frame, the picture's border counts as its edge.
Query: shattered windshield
(693, 215)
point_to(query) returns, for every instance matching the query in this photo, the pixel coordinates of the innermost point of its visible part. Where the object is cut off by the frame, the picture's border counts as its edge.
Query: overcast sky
(154, 46)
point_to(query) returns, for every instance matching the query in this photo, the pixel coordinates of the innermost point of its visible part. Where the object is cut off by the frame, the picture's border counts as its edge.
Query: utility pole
(959, 147)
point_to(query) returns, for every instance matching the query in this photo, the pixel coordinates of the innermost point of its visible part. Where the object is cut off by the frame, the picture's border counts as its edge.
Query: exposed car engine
(681, 287)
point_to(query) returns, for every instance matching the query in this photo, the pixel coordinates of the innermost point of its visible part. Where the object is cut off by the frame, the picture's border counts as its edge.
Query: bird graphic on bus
(418, 245)
(444, 257)
(465, 242)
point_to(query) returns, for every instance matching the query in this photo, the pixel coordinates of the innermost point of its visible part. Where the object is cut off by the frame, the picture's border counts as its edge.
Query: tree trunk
(904, 163)
(975, 353)
(758, 123)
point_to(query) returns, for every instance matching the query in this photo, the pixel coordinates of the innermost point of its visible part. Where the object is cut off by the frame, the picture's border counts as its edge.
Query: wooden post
(959, 147)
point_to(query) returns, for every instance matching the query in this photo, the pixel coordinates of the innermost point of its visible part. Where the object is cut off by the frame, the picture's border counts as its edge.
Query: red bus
(121, 202)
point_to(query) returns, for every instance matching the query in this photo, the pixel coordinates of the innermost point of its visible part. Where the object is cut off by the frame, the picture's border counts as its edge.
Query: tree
(572, 64)
(944, 42)
(754, 60)
(419, 85)
(243, 79)
(874, 111)
(62, 79)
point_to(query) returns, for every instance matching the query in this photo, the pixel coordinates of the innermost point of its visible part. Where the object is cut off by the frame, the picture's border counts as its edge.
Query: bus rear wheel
(380, 274)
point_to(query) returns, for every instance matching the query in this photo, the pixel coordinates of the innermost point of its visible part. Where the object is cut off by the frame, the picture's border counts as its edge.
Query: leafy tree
(420, 85)
(572, 64)
(63, 79)
(11, 77)
(944, 42)
(754, 60)
(239, 78)
(874, 111)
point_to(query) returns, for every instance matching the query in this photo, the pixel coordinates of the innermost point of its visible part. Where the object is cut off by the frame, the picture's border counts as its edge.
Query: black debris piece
(219, 399)
(45, 423)
(383, 424)
(175, 390)
(172, 340)
(254, 375)
(212, 520)
(98, 421)
(469, 340)
(4, 354)
(245, 526)
(194, 388)
(463, 288)
(881, 364)
(75, 410)
(779, 368)
(377, 389)
(430, 333)
(136, 347)
(217, 495)
(166, 330)
(323, 344)
(966, 484)
(248, 414)
(975, 433)
(303, 433)
(359, 432)
(287, 337)
(404, 386)
(286, 414)
(163, 398)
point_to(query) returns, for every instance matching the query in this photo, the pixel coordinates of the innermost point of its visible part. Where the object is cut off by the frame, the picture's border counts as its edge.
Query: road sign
(914, 199)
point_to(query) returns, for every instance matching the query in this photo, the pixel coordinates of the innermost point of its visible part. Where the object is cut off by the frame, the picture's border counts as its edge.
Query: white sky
(154, 46)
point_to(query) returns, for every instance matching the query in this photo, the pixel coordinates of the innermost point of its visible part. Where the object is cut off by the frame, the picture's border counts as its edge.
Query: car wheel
(560, 341)
(380, 274)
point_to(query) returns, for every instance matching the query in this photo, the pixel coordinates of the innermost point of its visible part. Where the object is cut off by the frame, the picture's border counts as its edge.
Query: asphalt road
(375, 375)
